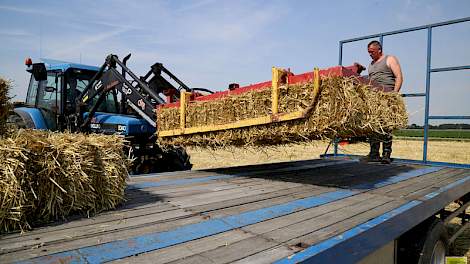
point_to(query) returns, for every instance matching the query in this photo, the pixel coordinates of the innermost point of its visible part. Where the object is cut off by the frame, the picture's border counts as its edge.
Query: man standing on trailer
(385, 71)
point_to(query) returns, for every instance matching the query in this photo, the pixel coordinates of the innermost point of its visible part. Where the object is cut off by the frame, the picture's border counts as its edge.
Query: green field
(435, 133)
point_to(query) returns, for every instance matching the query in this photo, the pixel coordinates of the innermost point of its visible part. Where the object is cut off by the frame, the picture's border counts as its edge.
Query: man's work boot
(386, 158)
(373, 155)
(387, 150)
(370, 158)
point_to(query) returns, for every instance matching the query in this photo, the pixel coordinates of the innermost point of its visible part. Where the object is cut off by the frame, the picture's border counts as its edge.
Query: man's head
(375, 50)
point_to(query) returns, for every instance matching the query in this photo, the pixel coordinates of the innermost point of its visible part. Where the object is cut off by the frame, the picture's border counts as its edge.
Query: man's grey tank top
(382, 74)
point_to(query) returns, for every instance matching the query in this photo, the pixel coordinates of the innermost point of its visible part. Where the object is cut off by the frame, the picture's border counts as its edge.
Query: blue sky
(212, 43)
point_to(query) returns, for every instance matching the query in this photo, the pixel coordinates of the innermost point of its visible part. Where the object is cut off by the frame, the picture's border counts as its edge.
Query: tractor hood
(126, 125)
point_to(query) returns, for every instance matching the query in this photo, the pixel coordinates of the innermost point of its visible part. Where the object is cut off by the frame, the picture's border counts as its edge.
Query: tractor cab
(53, 92)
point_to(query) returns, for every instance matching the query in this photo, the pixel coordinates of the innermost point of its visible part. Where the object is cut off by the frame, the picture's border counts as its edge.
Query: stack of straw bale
(46, 176)
(346, 108)
(4, 105)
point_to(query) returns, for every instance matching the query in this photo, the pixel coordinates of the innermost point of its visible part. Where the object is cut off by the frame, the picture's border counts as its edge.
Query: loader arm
(140, 94)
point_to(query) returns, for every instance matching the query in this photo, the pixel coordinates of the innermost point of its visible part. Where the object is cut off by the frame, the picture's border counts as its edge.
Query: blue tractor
(109, 99)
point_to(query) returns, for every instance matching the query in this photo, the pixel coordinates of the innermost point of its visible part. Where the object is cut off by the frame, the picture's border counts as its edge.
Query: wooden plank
(276, 223)
(103, 218)
(267, 256)
(264, 203)
(234, 251)
(403, 184)
(420, 194)
(199, 199)
(230, 170)
(172, 176)
(381, 175)
(57, 236)
(94, 239)
(306, 226)
(201, 188)
(254, 198)
(271, 166)
(430, 180)
(344, 225)
(247, 170)
(188, 249)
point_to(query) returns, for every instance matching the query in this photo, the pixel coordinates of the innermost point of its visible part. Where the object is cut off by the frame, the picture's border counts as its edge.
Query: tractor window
(109, 105)
(77, 81)
(32, 91)
(75, 86)
(49, 93)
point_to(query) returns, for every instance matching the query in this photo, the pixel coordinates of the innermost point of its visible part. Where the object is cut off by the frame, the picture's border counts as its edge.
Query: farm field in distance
(435, 133)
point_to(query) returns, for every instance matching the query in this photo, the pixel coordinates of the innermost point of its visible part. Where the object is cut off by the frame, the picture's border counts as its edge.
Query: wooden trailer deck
(318, 210)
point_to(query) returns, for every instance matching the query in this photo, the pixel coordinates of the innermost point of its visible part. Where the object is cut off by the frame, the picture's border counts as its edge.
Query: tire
(435, 245)
(177, 159)
(426, 243)
(19, 120)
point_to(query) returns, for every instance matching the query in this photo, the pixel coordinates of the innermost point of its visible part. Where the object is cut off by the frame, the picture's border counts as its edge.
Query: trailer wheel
(435, 245)
(426, 243)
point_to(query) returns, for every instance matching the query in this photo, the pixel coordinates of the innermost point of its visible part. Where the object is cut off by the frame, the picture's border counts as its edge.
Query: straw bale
(346, 108)
(46, 176)
(5, 105)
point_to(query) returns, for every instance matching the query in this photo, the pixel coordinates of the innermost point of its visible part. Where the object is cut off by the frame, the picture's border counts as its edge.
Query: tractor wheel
(177, 159)
(14, 120)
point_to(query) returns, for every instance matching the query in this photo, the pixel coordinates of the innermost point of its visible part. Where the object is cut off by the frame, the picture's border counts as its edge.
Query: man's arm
(394, 65)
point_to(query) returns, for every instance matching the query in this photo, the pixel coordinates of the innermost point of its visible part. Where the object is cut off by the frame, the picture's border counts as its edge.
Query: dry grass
(4, 104)
(449, 151)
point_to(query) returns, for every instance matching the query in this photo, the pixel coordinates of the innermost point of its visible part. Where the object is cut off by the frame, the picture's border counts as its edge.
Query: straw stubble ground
(449, 151)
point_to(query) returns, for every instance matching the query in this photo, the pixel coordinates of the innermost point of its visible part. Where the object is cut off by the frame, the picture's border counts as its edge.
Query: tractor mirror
(39, 72)
(49, 89)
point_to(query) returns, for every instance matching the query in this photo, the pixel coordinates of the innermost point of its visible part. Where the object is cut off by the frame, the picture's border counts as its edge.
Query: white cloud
(26, 10)
(15, 33)
(87, 41)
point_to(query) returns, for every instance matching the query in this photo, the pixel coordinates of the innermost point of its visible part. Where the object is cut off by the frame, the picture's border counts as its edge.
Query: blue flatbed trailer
(314, 211)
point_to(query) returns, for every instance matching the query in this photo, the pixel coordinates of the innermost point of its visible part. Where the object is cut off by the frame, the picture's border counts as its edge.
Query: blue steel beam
(413, 95)
(455, 68)
(467, 19)
(409, 161)
(428, 88)
(449, 117)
